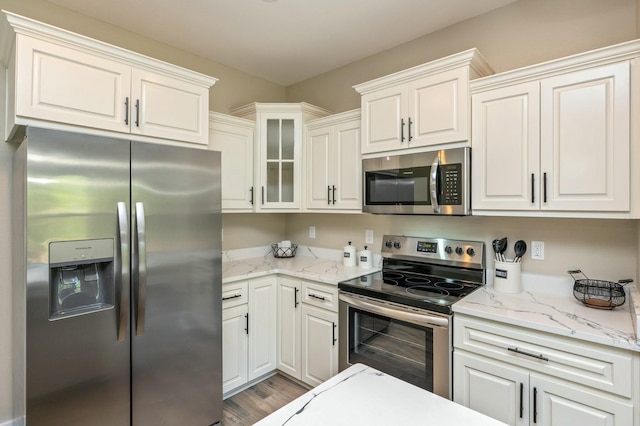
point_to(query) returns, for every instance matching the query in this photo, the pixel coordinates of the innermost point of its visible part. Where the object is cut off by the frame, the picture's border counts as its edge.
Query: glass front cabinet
(278, 152)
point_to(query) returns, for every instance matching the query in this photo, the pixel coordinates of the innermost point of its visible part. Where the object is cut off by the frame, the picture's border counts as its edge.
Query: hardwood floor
(260, 400)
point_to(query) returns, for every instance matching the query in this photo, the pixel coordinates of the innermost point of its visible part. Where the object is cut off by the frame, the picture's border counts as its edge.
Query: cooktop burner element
(426, 273)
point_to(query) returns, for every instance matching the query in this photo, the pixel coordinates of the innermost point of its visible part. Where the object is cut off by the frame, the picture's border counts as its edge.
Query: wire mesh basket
(279, 251)
(598, 294)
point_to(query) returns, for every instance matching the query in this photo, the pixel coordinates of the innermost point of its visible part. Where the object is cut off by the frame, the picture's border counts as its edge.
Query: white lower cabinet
(307, 330)
(248, 331)
(525, 377)
(319, 344)
(235, 344)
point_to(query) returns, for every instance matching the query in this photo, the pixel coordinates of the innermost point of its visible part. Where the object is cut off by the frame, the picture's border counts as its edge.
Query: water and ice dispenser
(81, 277)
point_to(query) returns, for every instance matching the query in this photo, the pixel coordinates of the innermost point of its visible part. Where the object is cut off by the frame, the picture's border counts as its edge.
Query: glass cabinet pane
(273, 139)
(287, 182)
(287, 140)
(273, 181)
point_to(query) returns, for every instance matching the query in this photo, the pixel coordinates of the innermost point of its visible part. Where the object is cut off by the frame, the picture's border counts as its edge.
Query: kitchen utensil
(520, 249)
(598, 294)
(496, 248)
(502, 247)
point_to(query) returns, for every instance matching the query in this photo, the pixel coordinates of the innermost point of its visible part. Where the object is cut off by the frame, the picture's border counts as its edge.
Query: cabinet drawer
(234, 294)
(601, 367)
(320, 295)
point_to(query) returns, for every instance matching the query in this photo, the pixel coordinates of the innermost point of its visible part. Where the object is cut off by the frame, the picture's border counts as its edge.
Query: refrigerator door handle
(140, 248)
(122, 271)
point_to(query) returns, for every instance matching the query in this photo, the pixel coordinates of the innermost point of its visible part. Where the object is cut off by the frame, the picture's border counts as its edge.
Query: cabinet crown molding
(478, 66)
(605, 55)
(12, 25)
(337, 118)
(309, 111)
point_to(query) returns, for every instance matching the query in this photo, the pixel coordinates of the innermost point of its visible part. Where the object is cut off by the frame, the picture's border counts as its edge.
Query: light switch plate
(368, 236)
(312, 232)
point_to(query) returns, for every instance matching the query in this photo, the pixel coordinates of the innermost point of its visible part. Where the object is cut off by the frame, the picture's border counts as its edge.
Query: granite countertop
(547, 304)
(315, 264)
(361, 395)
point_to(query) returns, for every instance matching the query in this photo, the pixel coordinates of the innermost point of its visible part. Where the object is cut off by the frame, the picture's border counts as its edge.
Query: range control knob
(459, 251)
(397, 244)
(448, 249)
(471, 251)
(388, 244)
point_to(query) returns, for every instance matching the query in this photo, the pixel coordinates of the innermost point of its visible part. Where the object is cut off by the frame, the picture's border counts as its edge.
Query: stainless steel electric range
(398, 320)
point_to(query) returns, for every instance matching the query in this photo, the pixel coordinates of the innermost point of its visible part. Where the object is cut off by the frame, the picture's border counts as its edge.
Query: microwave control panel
(451, 184)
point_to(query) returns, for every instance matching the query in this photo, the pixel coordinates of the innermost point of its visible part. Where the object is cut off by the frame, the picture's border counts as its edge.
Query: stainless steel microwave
(436, 182)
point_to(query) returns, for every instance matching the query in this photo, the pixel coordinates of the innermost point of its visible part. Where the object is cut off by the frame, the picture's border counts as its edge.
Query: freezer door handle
(122, 271)
(140, 255)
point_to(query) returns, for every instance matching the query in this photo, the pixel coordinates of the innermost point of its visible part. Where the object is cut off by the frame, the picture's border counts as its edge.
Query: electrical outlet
(537, 250)
(312, 232)
(368, 236)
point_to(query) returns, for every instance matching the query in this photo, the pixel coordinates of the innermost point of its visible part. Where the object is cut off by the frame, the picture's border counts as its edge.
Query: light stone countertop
(547, 304)
(361, 395)
(315, 264)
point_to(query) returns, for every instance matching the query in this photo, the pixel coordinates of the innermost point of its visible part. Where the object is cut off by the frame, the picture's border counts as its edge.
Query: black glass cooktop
(423, 286)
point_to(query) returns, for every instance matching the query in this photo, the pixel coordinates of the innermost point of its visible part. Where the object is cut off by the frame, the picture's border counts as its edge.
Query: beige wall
(601, 248)
(252, 230)
(519, 34)
(233, 89)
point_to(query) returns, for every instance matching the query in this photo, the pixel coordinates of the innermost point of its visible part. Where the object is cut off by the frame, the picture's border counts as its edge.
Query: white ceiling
(283, 41)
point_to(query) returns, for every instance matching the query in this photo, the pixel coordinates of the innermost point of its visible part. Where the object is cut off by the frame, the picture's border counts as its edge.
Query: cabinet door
(289, 356)
(506, 148)
(319, 162)
(384, 119)
(347, 167)
(439, 109)
(234, 347)
(169, 108)
(558, 403)
(59, 84)
(234, 138)
(262, 326)
(319, 345)
(585, 140)
(491, 387)
(280, 154)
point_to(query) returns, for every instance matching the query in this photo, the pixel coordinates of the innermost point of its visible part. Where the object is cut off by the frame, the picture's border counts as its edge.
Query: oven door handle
(433, 184)
(397, 313)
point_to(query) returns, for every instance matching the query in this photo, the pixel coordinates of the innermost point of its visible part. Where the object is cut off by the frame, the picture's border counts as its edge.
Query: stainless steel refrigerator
(117, 282)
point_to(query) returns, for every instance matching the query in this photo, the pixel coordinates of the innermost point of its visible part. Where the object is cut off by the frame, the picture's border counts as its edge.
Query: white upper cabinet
(423, 106)
(57, 78)
(554, 139)
(234, 138)
(332, 163)
(278, 156)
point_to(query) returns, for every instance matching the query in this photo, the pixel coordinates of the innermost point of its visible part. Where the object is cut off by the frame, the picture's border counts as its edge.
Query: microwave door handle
(433, 184)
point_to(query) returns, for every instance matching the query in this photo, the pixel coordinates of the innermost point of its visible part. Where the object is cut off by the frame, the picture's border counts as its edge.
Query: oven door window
(408, 186)
(400, 349)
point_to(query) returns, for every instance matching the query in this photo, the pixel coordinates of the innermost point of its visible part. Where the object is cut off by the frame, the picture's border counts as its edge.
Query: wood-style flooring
(260, 400)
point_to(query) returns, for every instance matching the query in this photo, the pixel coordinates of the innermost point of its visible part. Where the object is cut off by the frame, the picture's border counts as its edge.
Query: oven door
(411, 344)
(434, 182)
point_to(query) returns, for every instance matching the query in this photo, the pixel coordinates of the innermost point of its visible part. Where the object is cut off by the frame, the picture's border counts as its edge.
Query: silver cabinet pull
(140, 256)
(122, 271)
(518, 351)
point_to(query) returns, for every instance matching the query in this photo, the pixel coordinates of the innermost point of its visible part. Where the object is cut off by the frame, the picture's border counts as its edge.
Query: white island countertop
(556, 312)
(361, 395)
